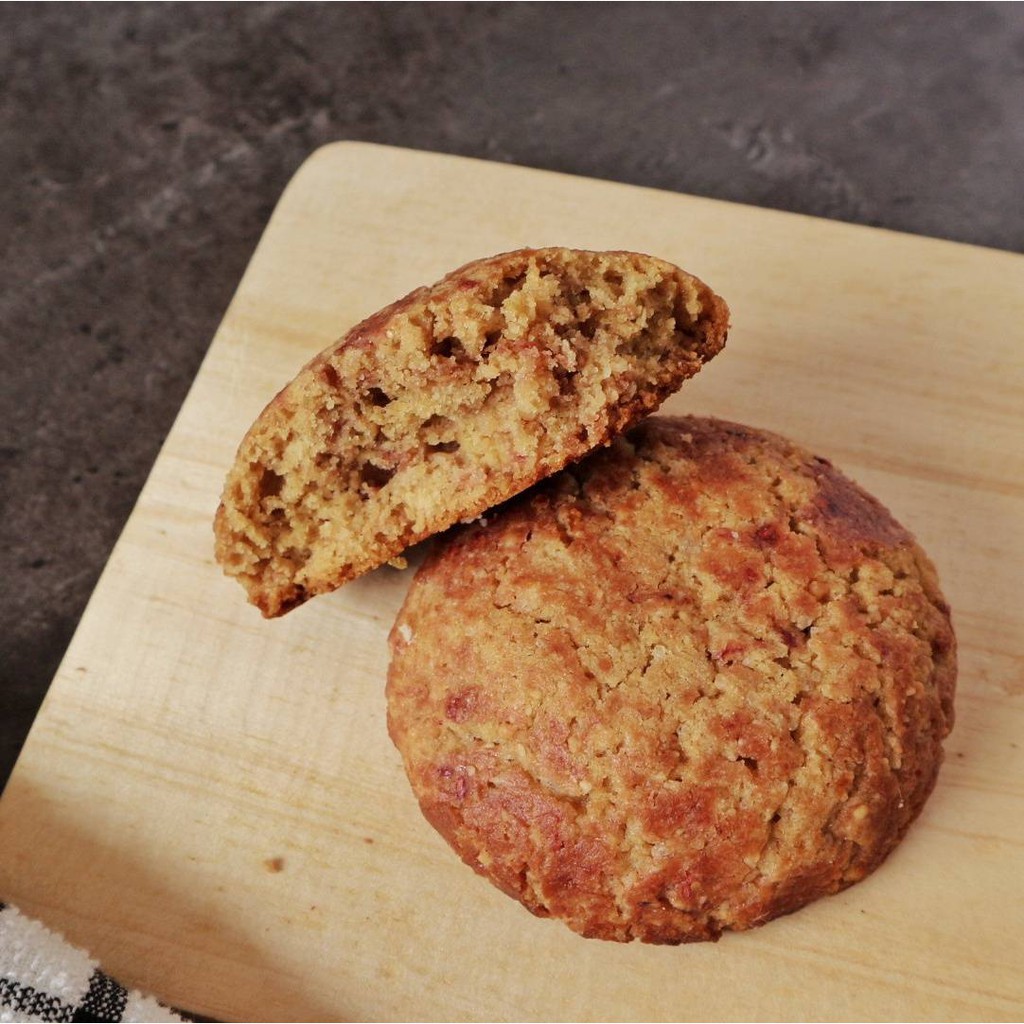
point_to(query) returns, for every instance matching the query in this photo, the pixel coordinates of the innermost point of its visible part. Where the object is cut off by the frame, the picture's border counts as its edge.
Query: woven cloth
(44, 978)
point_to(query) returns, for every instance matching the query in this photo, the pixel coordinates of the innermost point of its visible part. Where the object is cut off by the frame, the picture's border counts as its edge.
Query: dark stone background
(142, 148)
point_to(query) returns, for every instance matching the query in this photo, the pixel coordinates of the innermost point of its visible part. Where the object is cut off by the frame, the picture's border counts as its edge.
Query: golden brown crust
(450, 401)
(689, 684)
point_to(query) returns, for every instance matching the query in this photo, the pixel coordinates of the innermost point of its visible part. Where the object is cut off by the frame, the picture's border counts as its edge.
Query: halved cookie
(691, 683)
(450, 401)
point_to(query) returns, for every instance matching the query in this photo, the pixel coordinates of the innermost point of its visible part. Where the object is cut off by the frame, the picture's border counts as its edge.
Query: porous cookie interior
(696, 682)
(451, 401)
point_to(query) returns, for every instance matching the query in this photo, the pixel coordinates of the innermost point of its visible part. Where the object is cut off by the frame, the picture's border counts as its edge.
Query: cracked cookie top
(687, 685)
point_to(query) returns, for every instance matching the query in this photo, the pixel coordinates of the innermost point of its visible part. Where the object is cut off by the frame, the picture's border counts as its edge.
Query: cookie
(689, 684)
(450, 401)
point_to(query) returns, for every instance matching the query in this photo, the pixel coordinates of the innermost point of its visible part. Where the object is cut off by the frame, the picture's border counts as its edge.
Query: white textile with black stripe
(44, 978)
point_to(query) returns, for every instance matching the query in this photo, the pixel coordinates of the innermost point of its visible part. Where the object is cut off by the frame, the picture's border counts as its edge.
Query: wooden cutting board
(210, 802)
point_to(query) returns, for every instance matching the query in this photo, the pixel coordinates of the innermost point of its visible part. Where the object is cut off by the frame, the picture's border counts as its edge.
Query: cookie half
(687, 685)
(450, 401)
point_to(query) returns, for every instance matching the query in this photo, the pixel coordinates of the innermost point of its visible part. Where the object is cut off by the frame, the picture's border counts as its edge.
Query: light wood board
(210, 802)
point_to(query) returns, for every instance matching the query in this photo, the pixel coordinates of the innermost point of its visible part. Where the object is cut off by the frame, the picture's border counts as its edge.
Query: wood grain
(210, 803)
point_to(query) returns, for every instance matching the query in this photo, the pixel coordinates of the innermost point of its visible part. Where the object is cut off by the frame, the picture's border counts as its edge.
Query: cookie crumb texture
(450, 401)
(689, 684)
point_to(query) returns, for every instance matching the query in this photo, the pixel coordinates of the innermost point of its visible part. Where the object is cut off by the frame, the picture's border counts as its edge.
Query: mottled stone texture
(142, 148)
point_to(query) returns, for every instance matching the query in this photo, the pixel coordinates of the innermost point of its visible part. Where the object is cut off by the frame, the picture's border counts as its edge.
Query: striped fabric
(42, 978)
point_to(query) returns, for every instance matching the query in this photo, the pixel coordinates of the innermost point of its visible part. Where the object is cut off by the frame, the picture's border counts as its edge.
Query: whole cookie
(687, 685)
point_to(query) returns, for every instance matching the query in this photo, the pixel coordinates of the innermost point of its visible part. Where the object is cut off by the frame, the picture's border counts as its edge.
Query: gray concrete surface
(142, 148)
